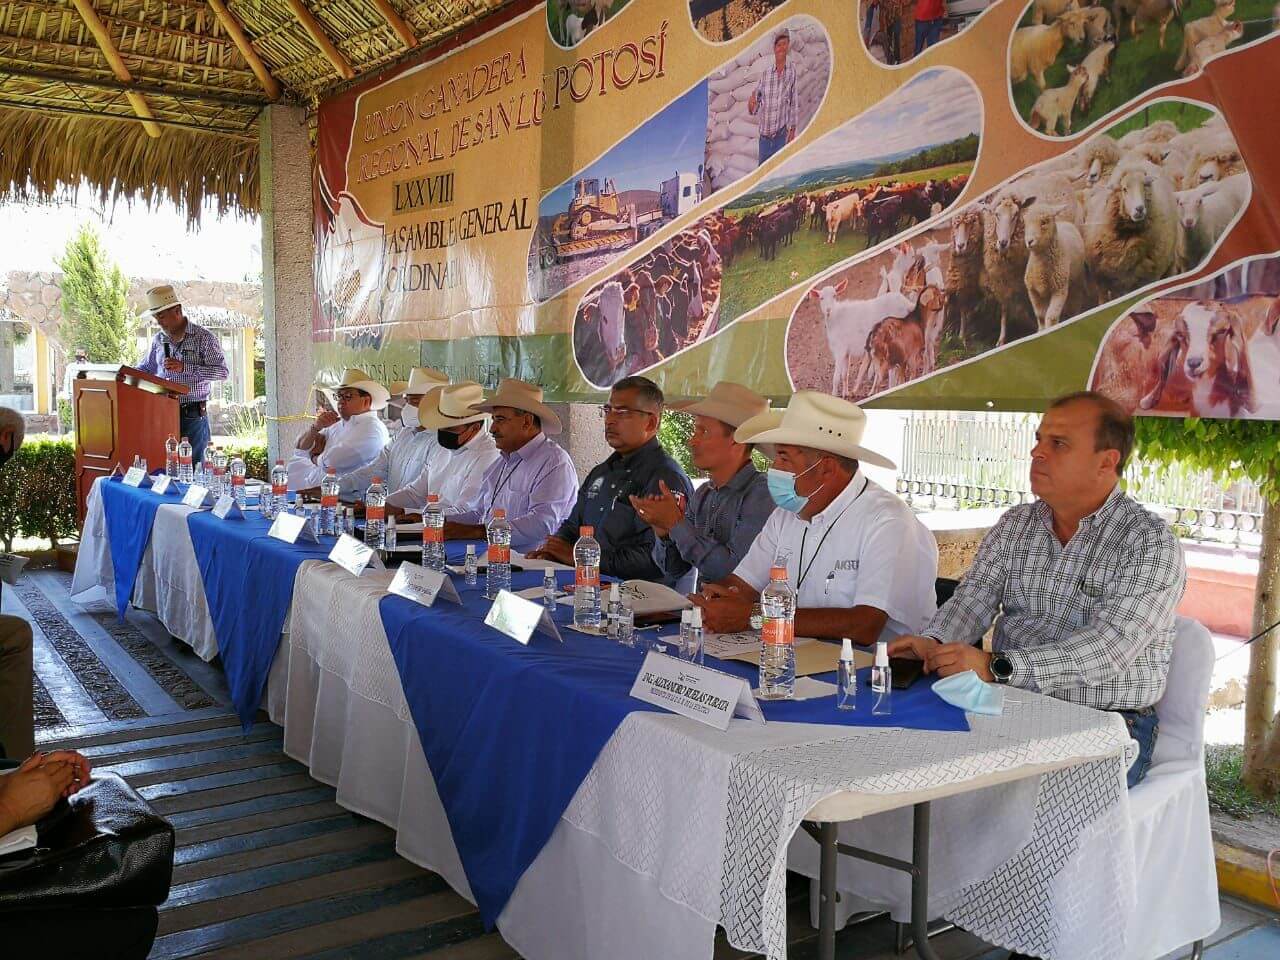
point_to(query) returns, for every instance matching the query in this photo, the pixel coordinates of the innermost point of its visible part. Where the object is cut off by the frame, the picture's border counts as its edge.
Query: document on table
(518, 559)
(24, 838)
(813, 656)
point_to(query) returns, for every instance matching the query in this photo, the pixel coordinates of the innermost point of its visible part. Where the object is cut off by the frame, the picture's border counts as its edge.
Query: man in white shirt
(462, 453)
(861, 564)
(345, 440)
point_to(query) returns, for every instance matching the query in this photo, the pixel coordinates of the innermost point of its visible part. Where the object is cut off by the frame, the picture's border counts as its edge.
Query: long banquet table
(679, 828)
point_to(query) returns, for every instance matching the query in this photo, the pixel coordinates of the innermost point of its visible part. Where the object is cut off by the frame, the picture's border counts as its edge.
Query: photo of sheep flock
(570, 21)
(1143, 201)
(1074, 62)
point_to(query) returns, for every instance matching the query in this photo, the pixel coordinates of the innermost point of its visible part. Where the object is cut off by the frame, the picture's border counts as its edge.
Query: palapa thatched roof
(160, 98)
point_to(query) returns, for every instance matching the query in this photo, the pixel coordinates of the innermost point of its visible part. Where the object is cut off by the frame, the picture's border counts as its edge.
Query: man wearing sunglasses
(347, 439)
(637, 467)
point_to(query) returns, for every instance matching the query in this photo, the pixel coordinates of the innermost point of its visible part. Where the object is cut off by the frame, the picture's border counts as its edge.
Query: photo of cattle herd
(1146, 200)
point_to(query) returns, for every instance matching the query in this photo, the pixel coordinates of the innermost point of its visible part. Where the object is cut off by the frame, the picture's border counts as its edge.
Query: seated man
(405, 458)
(861, 564)
(1081, 585)
(345, 440)
(463, 451)
(533, 479)
(638, 466)
(725, 514)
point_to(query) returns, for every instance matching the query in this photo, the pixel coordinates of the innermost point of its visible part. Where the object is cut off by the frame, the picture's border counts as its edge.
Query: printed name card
(226, 509)
(195, 496)
(291, 528)
(161, 483)
(698, 693)
(354, 556)
(135, 477)
(519, 618)
(415, 582)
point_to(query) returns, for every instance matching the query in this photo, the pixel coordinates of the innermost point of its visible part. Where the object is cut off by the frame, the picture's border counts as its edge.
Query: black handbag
(104, 848)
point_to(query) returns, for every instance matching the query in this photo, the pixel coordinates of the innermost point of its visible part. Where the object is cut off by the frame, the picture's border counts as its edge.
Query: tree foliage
(1232, 449)
(955, 151)
(95, 310)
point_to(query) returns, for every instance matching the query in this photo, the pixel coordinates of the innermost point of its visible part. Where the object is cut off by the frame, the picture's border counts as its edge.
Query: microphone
(166, 350)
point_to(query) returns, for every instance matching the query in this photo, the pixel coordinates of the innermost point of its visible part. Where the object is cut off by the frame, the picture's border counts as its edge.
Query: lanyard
(502, 481)
(802, 569)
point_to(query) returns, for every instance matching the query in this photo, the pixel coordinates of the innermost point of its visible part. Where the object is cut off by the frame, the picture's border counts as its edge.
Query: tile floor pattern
(268, 865)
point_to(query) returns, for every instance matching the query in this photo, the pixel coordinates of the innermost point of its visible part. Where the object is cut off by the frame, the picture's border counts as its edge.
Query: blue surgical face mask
(968, 692)
(782, 487)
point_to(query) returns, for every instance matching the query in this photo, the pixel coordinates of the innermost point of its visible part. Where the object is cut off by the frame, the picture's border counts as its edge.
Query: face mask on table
(782, 487)
(970, 693)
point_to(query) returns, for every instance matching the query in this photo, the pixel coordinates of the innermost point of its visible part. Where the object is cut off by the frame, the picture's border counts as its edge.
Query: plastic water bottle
(846, 679)
(389, 536)
(696, 654)
(276, 499)
(498, 573)
(549, 589)
(375, 514)
(686, 619)
(882, 682)
(185, 472)
(612, 610)
(778, 638)
(586, 579)
(238, 471)
(469, 565)
(349, 524)
(171, 457)
(433, 534)
(220, 482)
(329, 488)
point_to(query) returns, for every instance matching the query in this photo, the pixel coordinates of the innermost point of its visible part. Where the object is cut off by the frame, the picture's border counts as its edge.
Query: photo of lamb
(897, 31)
(1146, 200)
(1073, 63)
(1210, 349)
(764, 98)
(570, 21)
(721, 20)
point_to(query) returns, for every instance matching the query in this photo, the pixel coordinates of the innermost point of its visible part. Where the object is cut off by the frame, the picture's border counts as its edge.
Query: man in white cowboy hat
(345, 439)
(185, 353)
(861, 564)
(724, 516)
(533, 480)
(462, 452)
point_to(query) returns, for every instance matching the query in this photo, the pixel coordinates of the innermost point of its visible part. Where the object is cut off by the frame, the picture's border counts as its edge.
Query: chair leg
(1197, 950)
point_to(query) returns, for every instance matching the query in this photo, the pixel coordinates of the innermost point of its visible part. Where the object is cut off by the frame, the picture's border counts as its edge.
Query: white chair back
(1186, 696)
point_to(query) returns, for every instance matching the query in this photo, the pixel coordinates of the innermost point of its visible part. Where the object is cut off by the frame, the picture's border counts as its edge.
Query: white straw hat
(527, 397)
(815, 420)
(728, 402)
(160, 299)
(423, 380)
(356, 379)
(452, 406)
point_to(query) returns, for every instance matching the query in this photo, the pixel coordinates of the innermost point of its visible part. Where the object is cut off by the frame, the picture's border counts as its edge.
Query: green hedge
(254, 456)
(38, 492)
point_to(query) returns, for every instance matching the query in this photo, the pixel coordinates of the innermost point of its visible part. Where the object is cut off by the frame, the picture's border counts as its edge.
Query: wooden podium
(132, 414)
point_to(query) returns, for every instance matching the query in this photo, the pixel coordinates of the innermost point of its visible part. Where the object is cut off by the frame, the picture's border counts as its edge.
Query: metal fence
(983, 460)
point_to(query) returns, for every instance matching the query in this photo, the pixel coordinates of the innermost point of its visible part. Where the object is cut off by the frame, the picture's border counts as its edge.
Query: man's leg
(1144, 726)
(771, 145)
(17, 717)
(196, 430)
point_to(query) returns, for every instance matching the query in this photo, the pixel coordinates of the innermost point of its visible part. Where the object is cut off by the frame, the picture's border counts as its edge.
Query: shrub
(254, 456)
(38, 492)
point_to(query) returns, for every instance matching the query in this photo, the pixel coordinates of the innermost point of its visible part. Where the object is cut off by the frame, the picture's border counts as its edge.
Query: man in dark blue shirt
(637, 467)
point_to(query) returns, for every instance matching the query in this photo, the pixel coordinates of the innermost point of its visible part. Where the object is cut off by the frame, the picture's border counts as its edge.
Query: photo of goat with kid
(1074, 62)
(1211, 349)
(662, 303)
(1147, 200)
(570, 21)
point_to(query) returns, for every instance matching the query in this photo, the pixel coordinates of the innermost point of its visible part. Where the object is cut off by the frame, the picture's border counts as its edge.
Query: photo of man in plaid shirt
(1081, 585)
(774, 100)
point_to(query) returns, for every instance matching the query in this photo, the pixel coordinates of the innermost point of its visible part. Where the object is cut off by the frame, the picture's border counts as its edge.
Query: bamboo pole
(230, 24)
(114, 60)
(396, 23)
(321, 39)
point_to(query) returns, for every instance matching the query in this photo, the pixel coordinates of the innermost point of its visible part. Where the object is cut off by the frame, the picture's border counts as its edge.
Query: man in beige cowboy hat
(533, 480)
(461, 453)
(724, 516)
(185, 353)
(346, 438)
(860, 562)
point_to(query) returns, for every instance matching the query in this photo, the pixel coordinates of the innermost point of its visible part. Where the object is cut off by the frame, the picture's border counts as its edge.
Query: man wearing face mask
(346, 439)
(463, 451)
(17, 721)
(861, 564)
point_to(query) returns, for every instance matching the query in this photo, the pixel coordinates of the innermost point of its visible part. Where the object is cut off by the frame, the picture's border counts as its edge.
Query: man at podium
(185, 353)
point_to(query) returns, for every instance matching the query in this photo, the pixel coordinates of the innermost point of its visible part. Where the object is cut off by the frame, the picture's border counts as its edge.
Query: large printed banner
(1015, 201)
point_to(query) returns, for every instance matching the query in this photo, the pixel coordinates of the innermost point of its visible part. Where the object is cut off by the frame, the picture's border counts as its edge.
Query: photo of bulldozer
(596, 222)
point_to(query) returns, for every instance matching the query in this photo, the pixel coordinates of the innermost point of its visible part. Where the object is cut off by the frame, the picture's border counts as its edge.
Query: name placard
(135, 477)
(161, 483)
(291, 528)
(354, 556)
(226, 508)
(519, 618)
(415, 582)
(195, 496)
(698, 693)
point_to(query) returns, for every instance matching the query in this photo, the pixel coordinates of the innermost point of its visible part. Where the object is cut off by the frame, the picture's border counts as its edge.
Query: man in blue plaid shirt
(1081, 585)
(774, 100)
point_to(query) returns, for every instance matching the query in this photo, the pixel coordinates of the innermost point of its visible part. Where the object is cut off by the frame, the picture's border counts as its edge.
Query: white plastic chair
(1169, 810)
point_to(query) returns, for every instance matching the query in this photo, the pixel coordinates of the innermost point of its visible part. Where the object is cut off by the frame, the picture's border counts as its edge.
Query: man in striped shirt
(774, 100)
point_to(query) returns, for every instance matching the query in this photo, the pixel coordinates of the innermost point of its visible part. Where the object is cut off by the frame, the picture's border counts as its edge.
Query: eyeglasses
(346, 395)
(609, 410)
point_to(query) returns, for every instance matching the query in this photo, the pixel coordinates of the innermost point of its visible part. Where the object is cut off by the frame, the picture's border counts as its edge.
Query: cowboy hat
(816, 420)
(526, 397)
(357, 379)
(423, 380)
(396, 388)
(160, 299)
(728, 402)
(451, 406)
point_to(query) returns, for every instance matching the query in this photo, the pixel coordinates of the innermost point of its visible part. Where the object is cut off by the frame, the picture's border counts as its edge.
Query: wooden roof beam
(320, 39)
(108, 48)
(397, 23)
(230, 24)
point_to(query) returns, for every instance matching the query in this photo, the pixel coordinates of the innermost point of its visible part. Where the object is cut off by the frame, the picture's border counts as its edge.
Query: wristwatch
(1001, 668)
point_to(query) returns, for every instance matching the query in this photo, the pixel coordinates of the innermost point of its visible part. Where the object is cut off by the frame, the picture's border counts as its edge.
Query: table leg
(920, 881)
(827, 891)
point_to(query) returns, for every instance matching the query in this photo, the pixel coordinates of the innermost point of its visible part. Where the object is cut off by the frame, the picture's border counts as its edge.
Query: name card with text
(291, 528)
(519, 618)
(135, 477)
(195, 496)
(226, 509)
(415, 582)
(161, 483)
(698, 693)
(354, 556)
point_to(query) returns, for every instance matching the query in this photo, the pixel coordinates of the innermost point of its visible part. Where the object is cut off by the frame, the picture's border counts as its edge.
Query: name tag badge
(415, 582)
(135, 477)
(226, 509)
(354, 556)
(161, 483)
(195, 496)
(291, 528)
(699, 693)
(519, 618)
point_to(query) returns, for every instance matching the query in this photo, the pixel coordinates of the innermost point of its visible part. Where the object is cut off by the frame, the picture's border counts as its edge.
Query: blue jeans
(771, 145)
(1144, 726)
(927, 33)
(195, 427)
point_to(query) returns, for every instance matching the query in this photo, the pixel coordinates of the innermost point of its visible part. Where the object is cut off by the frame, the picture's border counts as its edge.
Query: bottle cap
(586, 532)
(882, 653)
(614, 592)
(184, 440)
(391, 520)
(377, 479)
(778, 573)
(433, 498)
(330, 471)
(686, 617)
(695, 618)
(499, 514)
(846, 650)
(279, 463)
(471, 549)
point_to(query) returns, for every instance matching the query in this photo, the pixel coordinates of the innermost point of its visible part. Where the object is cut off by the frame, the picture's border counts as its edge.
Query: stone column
(583, 435)
(287, 282)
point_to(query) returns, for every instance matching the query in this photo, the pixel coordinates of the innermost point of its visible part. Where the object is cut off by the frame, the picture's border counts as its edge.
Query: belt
(194, 408)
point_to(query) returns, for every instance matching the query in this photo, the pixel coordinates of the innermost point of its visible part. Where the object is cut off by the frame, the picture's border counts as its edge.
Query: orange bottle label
(587, 576)
(329, 500)
(778, 632)
(499, 554)
(375, 513)
(279, 489)
(237, 481)
(433, 534)
(184, 460)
